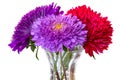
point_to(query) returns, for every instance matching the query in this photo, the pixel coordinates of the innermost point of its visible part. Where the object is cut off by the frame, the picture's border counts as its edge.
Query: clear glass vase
(62, 64)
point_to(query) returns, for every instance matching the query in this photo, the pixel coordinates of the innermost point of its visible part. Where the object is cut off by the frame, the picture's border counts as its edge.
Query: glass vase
(62, 64)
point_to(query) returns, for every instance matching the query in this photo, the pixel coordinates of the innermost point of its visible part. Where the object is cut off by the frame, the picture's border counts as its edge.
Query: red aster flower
(99, 29)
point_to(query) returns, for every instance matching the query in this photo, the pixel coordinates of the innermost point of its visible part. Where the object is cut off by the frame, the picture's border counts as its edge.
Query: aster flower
(53, 32)
(99, 29)
(22, 37)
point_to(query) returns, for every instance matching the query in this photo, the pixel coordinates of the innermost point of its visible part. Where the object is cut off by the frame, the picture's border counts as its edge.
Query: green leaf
(27, 46)
(33, 47)
(65, 49)
(57, 53)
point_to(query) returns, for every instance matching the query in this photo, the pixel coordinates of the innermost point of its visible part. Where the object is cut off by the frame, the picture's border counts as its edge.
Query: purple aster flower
(21, 36)
(53, 32)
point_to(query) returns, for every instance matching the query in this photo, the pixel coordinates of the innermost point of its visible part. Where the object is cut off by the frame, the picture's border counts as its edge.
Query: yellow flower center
(58, 26)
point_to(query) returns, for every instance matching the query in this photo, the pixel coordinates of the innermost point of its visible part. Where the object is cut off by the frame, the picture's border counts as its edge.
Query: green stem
(72, 68)
(55, 67)
(61, 62)
(37, 53)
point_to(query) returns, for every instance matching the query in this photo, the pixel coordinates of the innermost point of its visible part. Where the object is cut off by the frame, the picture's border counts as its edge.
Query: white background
(26, 67)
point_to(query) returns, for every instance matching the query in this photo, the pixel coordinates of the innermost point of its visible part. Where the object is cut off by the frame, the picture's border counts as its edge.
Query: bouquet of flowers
(62, 36)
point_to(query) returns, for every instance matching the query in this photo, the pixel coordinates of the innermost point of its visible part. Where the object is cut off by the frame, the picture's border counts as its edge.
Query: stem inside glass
(62, 64)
